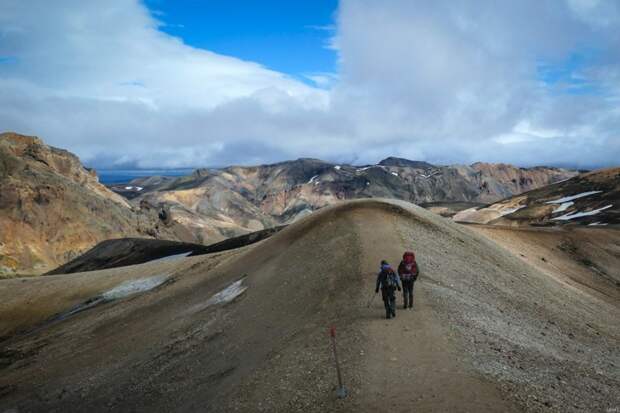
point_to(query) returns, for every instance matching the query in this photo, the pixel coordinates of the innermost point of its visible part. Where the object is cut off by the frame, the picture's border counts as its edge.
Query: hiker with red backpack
(408, 271)
(387, 280)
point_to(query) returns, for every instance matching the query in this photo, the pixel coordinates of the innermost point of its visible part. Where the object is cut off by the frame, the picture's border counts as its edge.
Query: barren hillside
(52, 208)
(219, 203)
(246, 329)
(591, 198)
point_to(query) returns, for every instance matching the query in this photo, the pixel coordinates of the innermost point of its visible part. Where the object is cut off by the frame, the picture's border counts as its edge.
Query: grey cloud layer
(441, 81)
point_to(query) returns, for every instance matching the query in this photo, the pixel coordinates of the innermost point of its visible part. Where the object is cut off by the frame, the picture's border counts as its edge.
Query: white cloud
(442, 81)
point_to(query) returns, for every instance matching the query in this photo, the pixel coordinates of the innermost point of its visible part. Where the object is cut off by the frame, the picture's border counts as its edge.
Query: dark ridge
(402, 162)
(131, 251)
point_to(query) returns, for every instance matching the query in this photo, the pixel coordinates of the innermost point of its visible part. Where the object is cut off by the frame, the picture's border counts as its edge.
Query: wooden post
(341, 392)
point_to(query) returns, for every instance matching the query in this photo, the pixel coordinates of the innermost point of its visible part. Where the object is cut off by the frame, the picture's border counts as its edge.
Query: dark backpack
(390, 280)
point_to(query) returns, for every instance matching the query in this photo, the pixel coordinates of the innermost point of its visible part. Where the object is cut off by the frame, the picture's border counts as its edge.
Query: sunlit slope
(591, 199)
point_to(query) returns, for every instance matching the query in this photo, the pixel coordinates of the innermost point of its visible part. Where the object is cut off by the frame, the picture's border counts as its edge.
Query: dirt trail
(410, 364)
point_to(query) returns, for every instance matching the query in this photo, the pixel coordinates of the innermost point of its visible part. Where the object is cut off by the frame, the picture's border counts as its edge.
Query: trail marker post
(341, 392)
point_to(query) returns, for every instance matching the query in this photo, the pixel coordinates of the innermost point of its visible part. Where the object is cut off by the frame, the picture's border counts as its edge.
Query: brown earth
(544, 207)
(579, 257)
(122, 252)
(219, 203)
(52, 208)
(489, 332)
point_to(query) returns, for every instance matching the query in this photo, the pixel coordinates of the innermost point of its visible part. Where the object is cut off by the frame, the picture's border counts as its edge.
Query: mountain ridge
(53, 209)
(591, 198)
(241, 199)
(231, 331)
(60, 210)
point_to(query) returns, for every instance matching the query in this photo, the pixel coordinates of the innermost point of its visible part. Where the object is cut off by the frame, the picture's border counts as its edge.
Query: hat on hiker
(384, 265)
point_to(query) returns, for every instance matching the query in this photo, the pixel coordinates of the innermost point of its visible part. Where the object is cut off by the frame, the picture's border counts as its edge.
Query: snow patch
(369, 167)
(429, 175)
(312, 179)
(122, 290)
(563, 207)
(337, 167)
(132, 287)
(573, 197)
(570, 216)
(597, 223)
(394, 173)
(227, 294)
(133, 188)
(172, 257)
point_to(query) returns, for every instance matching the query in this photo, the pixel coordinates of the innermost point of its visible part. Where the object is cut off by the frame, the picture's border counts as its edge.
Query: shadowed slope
(131, 251)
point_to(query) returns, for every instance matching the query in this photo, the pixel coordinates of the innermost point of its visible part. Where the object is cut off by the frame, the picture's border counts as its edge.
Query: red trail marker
(341, 392)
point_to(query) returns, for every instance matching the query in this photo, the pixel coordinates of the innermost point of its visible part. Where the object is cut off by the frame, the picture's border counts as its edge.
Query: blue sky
(568, 75)
(288, 36)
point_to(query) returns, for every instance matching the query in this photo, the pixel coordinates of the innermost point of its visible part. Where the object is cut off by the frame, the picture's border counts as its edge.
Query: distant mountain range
(53, 209)
(219, 203)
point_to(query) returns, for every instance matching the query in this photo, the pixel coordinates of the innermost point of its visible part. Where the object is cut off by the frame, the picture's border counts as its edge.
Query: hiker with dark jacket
(408, 272)
(387, 280)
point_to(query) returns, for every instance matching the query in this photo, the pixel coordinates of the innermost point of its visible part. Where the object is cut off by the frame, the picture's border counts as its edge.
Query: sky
(173, 84)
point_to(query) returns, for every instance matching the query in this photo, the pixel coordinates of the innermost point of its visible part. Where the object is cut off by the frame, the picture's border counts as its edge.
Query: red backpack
(408, 268)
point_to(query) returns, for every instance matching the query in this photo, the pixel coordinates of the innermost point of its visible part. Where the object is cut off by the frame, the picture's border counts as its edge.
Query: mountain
(247, 329)
(219, 203)
(52, 208)
(122, 252)
(592, 198)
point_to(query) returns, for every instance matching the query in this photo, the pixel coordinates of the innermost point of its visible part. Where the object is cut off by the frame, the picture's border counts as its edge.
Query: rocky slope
(53, 209)
(591, 198)
(122, 252)
(218, 203)
(246, 330)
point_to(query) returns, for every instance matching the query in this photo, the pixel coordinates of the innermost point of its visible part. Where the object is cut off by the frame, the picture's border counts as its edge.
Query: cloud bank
(529, 82)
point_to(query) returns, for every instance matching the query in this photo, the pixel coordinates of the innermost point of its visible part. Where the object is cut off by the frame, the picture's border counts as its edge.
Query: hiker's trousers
(389, 301)
(408, 293)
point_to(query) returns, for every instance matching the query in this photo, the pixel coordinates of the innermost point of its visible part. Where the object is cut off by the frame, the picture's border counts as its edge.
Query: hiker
(388, 282)
(408, 272)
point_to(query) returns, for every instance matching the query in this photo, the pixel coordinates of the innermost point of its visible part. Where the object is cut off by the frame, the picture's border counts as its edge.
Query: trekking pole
(371, 300)
(341, 392)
